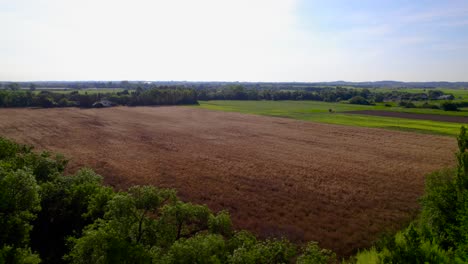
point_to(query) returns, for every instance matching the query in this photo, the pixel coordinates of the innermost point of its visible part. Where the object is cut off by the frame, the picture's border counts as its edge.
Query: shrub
(371, 256)
(359, 100)
(269, 251)
(12, 255)
(407, 104)
(429, 106)
(314, 254)
(408, 247)
(379, 98)
(439, 207)
(449, 106)
(64, 102)
(198, 249)
(19, 203)
(462, 104)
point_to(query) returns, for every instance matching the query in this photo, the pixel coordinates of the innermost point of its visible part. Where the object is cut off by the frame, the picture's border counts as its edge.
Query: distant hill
(257, 85)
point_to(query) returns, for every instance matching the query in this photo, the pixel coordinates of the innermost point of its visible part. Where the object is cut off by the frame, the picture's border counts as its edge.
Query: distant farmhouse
(446, 97)
(103, 103)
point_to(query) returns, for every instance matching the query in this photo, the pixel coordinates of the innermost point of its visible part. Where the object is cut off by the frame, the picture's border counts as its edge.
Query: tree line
(47, 99)
(331, 94)
(336, 94)
(239, 92)
(13, 96)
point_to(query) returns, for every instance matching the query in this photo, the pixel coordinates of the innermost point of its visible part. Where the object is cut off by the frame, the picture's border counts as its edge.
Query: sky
(238, 40)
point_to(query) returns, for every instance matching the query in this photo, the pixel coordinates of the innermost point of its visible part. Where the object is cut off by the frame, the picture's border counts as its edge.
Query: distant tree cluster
(239, 92)
(49, 217)
(138, 93)
(445, 105)
(331, 94)
(359, 100)
(47, 99)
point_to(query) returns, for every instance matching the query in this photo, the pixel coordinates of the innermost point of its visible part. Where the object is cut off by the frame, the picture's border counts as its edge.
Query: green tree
(66, 202)
(183, 220)
(359, 100)
(462, 160)
(202, 248)
(13, 255)
(313, 254)
(379, 97)
(449, 106)
(264, 252)
(365, 93)
(127, 233)
(435, 94)
(19, 203)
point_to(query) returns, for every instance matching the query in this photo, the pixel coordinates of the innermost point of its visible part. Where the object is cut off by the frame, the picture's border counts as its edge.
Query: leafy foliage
(19, 201)
(9, 254)
(314, 254)
(47, 99)
(65, 201)
(359, 100)
(449, 106)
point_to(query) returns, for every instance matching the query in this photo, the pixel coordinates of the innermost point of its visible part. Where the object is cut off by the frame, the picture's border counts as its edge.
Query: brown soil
(338, 185)
(440, 118)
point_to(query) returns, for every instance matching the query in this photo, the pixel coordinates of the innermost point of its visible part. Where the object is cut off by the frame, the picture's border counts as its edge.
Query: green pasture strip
(462, 112)
(267, 107)
(319, 112)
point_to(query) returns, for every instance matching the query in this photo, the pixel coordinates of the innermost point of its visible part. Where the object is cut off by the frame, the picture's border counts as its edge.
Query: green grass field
(462, 112)
(319, 112)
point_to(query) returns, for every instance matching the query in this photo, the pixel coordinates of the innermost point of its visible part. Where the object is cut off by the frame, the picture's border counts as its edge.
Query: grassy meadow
(319, 112)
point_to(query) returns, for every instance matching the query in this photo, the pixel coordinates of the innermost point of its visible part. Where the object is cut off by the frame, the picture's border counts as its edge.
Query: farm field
(338, 185)
(319, 112)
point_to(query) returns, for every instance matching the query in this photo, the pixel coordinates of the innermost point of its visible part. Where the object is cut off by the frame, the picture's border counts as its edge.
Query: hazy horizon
(245, 41)
(221, 81)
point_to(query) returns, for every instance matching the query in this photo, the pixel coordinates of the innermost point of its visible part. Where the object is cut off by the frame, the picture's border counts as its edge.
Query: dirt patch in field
(338, 185)
(440, 118)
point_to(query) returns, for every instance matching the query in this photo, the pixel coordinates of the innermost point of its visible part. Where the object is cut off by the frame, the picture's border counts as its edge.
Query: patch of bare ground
(440, 118)
(338, 185)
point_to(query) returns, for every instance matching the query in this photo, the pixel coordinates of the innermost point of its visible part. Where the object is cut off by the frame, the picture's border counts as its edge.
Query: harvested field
(338, 185)
(440, 118)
